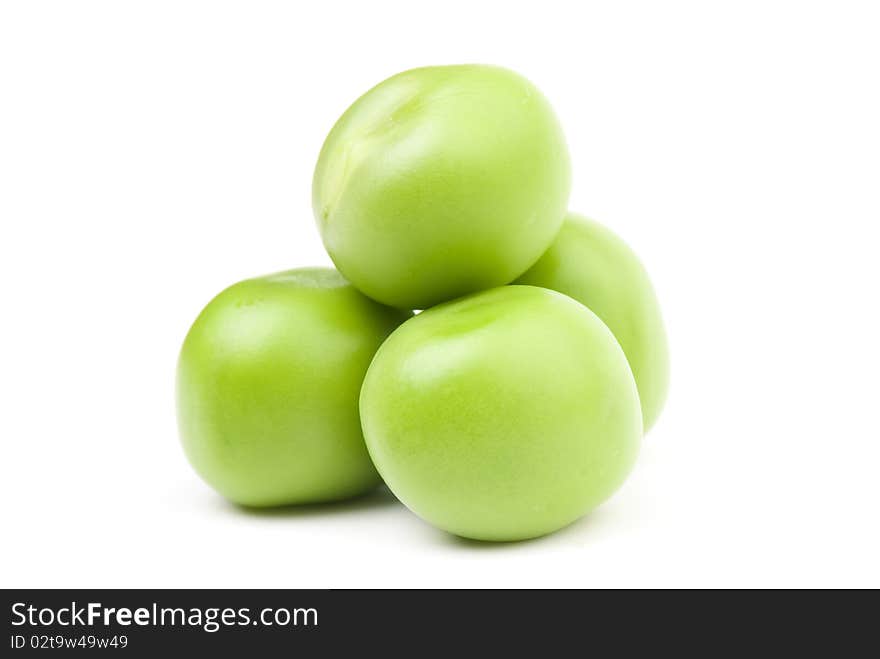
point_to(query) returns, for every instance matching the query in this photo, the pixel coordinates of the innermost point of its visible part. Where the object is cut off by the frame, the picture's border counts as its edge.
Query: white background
(152, 153)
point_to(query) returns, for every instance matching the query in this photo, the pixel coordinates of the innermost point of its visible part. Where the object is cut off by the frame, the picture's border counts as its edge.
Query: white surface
(153, 153)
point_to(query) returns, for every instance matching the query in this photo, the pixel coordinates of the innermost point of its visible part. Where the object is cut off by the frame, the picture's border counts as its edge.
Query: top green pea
(441, 181)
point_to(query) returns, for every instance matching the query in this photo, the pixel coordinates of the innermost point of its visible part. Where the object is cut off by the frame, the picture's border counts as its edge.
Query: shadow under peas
(378, 498)
(382, 498)
(565, 534)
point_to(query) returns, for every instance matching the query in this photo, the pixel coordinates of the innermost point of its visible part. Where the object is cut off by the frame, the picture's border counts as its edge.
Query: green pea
(504, 415)
(268, 383)
(591, 264)
(439, 182)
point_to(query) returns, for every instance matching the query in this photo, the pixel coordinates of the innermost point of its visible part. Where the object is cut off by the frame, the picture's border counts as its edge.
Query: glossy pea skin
(593, 265)
(267, 388)
(504, 415)
(441, 181)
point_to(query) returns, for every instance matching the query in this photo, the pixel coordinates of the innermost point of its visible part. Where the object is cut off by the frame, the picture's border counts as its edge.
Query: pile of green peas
(512, 403)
